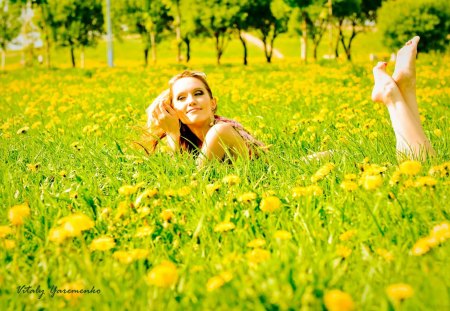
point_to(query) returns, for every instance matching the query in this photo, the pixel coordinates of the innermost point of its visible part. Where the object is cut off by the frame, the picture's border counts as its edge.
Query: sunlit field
(82, 207)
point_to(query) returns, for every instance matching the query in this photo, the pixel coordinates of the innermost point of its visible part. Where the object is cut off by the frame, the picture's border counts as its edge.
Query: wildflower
(72, 290)
(270, 204)
(23, 130)
(422, 246)
(350, 177)
(399, 292)
(347, 235)
(337, 300)
(146, 194)
(167, 215)
(437, 132)
(122, 209)
(5, 231)
(349, 185)
(127, 257)
(385, 254)
(127, 190)
(143, 231)
(76, 145)
(218, 281)
(322, 172)
(9, 244)
(74, 224)
(231, 180)
(395, 178)
(410, 168)
(102, 244)
(282, 235)
(247, 197)
(256, 243)
(62, 173)
(211, 188)
(163, 275)
(57, 235)
(371, 182)
(184, 191)
(224, 226)
(441, 232)
(257, 256)
(425, 181)
(343, 251)
(33, 167)
(18, 213)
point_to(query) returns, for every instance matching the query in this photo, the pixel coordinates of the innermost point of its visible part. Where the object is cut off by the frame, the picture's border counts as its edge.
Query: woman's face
(192, 102)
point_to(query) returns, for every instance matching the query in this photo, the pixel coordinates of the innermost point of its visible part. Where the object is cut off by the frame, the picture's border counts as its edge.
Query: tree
(242, 22)
(9, 26)
(271, 19)
(47, 25)
(399, 21)
(79, 24)
(150, 18)
(216, 18)
(301, 5)
(347, 10)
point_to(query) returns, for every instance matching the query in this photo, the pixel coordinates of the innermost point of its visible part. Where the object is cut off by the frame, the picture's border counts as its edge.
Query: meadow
(83, 208)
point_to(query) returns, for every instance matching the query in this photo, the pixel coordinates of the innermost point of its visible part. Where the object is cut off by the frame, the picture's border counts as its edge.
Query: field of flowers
(82, 208)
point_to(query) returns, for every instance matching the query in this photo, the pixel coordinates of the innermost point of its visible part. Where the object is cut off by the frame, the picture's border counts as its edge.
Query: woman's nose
(190, 99)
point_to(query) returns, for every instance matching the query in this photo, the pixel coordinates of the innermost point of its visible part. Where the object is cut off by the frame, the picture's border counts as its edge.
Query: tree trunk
(244, 45)
(82, 57)
(153, 45)
(188, 49)
(336, 49)
(146, 56)
(316, 45)
(304, 38)
(178, 31)
(72, 55)
(218, 50)
(47, 36)
(3, 61)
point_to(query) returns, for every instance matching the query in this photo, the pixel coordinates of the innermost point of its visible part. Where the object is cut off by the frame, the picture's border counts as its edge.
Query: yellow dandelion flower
(343, 251)
(5, 231)
(62, 173)
(322, 172)
(270, 204)
(9, 244)
(184, 191)
(314, 190)
(256, 243)
(127, 257)
(441, 232)
(337, 300)
(75, 224)
(385, 254)
(127, 190)
(73, 290)
(167, 215)
(399, 292)
(33, 167)
(231, 180)
(218, 281)
(395, 178)
(422, 246)
(282, 235)
(257, 256)
(163, 275)
(350, 177)
(425, 181)
(23, 130)
(146, 194)
(224, 226)
(18, 213)
(348, 185)
(347, 235)
(211, 188)
(247, 197)
(143, 231)
(299, 192)
(437, 132)
(410, 168)
(371, 182)
(57, 235)
(102, 244)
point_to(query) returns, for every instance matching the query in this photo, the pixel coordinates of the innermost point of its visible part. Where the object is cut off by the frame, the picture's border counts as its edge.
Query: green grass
(295, 108)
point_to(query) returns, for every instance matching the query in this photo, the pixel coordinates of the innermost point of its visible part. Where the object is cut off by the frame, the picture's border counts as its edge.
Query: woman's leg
(411, 140)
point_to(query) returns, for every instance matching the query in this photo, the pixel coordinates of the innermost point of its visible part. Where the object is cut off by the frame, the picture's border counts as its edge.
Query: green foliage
(79, 23)
(401, 20)
(9, 22)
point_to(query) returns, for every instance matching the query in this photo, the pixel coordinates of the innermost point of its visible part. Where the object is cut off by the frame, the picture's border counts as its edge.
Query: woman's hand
(166, 118)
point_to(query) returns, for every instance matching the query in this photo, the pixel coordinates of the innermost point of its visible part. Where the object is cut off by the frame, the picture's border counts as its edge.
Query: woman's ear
(214, 104)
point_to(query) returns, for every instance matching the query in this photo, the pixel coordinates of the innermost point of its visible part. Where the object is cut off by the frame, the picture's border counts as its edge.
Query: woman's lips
(194, 110)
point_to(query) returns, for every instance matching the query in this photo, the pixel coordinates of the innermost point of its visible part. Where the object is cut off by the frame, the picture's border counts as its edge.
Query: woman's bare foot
(405, 75)
(385, 89)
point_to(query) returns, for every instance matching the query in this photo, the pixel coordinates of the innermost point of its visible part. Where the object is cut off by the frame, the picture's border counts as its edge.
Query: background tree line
(79, 24)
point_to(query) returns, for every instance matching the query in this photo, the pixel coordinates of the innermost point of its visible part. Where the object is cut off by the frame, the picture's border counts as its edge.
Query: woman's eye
(198, 93)
(181, 98)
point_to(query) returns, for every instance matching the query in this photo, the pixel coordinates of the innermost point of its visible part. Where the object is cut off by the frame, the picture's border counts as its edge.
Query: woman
(185, 114)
